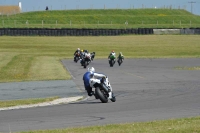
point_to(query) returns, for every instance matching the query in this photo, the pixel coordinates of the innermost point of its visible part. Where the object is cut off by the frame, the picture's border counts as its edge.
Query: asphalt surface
(38, 89)
(145, 89)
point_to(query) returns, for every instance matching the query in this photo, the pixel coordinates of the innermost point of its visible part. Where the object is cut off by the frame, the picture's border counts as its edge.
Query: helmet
(91, 70)
(81, 50)
(113, 51)
(78, 48)
(120, 53)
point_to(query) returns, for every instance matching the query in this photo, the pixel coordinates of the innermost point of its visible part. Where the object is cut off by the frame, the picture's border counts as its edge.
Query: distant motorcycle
(86, 60)
(112, 60)
(77, 57)
(120, 60)
(92, 55)
(102, 89)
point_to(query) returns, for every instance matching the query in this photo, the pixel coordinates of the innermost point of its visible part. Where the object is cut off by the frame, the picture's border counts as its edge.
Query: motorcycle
(112, 60)
(102, 89)
(120, 60)
(85, 61)
(77, 57)
(92, 55)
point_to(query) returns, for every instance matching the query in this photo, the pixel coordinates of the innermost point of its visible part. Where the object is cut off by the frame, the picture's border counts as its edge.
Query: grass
(188, 68)
(38, 58)
(186, 125)
(109, 18)
(10, 103)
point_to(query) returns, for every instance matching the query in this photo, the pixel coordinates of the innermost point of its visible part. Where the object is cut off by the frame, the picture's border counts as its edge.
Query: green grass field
(38, 58)
(109, 18)
(186, 125)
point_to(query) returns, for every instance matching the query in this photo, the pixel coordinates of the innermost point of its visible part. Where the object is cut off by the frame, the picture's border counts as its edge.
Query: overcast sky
(35, 5)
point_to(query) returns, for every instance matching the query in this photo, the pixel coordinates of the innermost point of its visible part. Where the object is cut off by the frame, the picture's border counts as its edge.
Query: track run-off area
(145, 89)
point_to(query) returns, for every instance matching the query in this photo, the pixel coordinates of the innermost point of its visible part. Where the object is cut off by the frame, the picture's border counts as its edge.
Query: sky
(35, 5)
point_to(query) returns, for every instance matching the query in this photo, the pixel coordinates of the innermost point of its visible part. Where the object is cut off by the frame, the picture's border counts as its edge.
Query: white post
(20, 6)
(26, 22)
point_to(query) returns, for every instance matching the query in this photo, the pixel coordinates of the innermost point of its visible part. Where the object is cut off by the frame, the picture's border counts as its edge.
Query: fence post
(26, 22)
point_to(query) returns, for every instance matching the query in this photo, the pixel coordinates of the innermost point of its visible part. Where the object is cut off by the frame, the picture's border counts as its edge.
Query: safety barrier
(91, 32)
(190, 31)
(71, 32)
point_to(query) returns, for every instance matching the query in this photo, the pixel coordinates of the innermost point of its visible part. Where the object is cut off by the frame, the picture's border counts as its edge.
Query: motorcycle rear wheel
(101, 95)
(85, 64)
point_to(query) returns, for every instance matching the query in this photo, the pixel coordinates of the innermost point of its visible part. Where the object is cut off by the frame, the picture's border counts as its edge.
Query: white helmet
(91, 69)
(78, 48)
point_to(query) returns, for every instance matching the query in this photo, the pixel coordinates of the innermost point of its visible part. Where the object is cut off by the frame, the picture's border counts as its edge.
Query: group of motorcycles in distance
(86, 58)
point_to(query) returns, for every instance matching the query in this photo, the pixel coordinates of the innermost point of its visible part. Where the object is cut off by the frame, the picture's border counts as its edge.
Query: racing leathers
(89, 77)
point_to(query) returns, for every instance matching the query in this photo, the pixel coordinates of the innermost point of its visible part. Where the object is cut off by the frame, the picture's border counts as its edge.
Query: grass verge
(11, 103)
(188, 68)
(186, 125)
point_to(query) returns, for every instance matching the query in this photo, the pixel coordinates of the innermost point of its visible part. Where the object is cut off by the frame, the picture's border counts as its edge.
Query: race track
(145, 89)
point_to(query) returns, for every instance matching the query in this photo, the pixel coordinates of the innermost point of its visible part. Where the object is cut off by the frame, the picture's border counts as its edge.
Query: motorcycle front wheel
(101, 95)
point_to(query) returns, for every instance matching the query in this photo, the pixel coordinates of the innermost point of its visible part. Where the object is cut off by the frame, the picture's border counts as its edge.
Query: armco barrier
(71, 32)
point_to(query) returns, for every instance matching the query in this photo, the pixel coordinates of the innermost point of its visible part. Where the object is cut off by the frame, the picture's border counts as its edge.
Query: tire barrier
(167, 31)
(190, 31)
(71, 32)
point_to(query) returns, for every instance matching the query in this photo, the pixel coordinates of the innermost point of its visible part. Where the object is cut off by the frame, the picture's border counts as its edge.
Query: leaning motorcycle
(77, 57)
(112, 60)
(102, 89)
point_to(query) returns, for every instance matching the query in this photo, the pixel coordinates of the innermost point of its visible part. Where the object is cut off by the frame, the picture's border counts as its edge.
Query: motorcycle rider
(120, 56)
(91, 74)
(92, 56)
(85, 53)
(78, 50)
(111, 53)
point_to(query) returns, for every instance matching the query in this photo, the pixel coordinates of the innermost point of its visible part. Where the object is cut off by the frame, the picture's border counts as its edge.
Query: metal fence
(11, 23)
